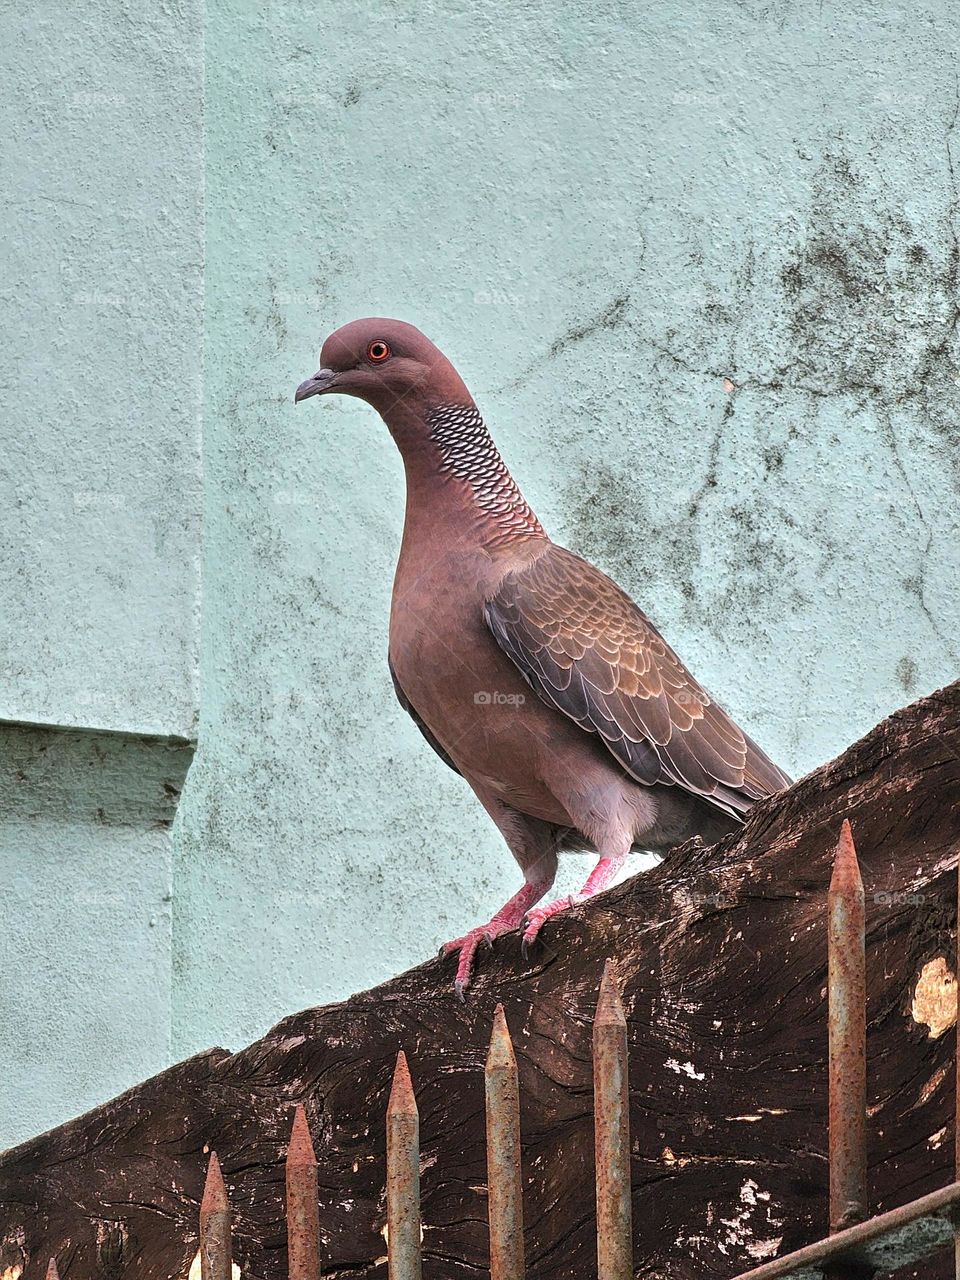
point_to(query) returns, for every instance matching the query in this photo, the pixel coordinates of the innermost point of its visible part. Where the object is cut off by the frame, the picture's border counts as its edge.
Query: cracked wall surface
(699, 268)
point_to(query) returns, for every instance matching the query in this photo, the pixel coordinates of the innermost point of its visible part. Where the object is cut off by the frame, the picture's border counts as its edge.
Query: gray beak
(322, 380)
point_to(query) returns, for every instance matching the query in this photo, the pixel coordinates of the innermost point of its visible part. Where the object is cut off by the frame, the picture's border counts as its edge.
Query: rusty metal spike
(214, 1189)
(500, 1052)
(847, 1023)
(504, 1186)
(402, 1098)
(846, 866)
(216, 1260)
(403, 1177)
(611, 1107)
(610, 1004)
(52, 1272)
(300, 1149)
(303, 1215)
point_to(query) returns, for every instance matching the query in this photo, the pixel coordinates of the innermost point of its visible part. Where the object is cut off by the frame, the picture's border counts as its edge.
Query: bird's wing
(588, 651)
(412, 712)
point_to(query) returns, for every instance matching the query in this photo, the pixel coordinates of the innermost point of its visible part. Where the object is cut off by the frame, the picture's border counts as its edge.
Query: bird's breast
(454, 674)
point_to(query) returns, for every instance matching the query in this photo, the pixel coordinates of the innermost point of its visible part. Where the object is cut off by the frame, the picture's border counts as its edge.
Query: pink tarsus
(598, 880)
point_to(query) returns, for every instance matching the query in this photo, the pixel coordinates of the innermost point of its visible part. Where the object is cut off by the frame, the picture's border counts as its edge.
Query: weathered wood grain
(722, 954)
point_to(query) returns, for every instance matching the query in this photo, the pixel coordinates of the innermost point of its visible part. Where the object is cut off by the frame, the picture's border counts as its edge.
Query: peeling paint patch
(761, 1249)
(750, 1193)
(668, 1157)
(684, 1069)
(935, 997)
(740, 1231)
(935, 1141)
(753, 1117)
(933, 1084)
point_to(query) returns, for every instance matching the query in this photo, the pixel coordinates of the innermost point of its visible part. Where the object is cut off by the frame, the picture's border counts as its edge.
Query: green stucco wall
(699, 267)
(101, 296)
(86, 858)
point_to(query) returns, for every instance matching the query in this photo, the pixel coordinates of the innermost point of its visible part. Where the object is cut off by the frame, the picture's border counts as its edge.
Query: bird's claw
(535, 919)
(467, 949)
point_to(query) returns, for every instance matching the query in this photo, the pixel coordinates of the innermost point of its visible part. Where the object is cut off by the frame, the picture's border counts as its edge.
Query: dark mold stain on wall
(906, 673)
(609, 317)
(868, 308)
(853, 310)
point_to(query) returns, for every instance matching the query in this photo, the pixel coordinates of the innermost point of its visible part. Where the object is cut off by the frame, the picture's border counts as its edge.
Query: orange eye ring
(378, 351)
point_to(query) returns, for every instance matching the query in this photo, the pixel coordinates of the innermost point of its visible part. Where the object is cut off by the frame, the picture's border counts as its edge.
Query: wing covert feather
(590, 652)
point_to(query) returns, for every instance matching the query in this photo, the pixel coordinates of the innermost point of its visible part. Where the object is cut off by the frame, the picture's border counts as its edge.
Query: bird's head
(389, 364)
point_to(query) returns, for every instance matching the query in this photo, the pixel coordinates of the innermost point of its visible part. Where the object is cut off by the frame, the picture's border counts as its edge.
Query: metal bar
(403, 1177)
(847, 1017)
(611, 1105)
(900, 1238)
(52, 1272)
(216, 1260)
(303, 1216)
(504, 1189)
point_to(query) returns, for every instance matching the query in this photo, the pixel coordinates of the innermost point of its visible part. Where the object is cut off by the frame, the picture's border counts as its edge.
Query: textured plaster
(101, 179)
(699, 267)
(86, 869)
(101, 304)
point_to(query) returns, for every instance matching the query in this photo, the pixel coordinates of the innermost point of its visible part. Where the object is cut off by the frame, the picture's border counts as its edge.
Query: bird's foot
(467, 947)
(535, 918)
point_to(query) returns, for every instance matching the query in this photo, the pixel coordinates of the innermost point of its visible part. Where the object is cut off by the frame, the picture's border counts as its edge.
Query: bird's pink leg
(508, 917)
(598, 880)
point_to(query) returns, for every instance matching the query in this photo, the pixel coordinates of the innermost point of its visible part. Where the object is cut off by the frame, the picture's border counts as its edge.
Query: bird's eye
(378, 351)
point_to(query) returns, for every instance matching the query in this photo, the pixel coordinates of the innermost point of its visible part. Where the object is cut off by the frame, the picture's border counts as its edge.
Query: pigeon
(527, 669)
